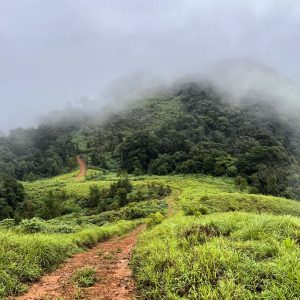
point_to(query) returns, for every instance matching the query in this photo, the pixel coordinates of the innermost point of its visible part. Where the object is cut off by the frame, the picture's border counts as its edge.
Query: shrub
(53, 205)
(240, 183)
(155, 219)
(11, 196)
(33, 225)
(7, 223)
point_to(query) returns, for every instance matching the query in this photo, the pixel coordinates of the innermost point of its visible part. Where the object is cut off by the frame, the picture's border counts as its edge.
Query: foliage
(121, 193)
(52, 205)
(154, 219)
(36, 225)
(28, 154)
(11, 196)
(187, 129)
(168, 262)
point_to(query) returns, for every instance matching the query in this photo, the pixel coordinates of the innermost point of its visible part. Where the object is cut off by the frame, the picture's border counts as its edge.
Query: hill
(209, 175)
(187, 128)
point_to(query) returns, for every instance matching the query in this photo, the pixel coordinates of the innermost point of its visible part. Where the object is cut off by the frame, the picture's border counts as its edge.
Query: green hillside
(244, 239)
(229, 255)
(188, 129)
(213, 181)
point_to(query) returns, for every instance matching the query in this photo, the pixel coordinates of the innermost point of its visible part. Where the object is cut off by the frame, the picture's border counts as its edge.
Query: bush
(155, 219)
(11, 196)
(240, 183)
(195, 209)
(53, 205)
(33, 225)
(7, 223)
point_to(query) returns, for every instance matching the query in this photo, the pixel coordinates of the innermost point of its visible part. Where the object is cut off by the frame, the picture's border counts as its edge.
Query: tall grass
(220, 256)
(24, 258)
(224, 249)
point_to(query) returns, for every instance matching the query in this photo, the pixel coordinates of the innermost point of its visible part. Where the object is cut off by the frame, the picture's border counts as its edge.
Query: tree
(94, 197)
(53, 205)
(240, 183)
(11, 194)
(138, 150)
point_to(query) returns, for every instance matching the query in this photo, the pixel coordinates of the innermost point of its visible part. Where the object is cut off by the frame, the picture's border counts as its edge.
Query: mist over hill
(191, 125)
(237, 81)
(245, 79)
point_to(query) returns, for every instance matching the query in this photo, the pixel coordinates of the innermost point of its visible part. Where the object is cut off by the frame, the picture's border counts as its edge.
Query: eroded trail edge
(110, 259)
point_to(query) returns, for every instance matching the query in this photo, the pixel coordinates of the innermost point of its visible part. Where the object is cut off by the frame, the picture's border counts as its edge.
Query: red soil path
(82, 168)
(110, 259)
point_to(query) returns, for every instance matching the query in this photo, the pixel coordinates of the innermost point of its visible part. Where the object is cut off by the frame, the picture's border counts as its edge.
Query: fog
(54, 53)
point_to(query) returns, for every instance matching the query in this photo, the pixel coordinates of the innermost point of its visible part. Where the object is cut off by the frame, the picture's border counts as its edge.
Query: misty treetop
(28, 154)
(188, 129)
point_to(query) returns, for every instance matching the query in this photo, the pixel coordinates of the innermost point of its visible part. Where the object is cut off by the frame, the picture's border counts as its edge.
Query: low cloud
(55, 52)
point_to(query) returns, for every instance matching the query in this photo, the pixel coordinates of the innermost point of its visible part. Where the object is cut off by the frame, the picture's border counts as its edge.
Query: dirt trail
(110, 259)
(82, 168)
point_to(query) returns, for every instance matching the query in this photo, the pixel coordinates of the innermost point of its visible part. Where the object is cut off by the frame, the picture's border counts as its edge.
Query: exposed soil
(82, 168)
(110, 259)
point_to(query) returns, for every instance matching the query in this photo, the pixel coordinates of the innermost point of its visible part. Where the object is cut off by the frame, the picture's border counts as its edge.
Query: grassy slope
(225, 254)
(230, 255)
(37, 189)
(166, 253)
(25, 257)
(196, 191)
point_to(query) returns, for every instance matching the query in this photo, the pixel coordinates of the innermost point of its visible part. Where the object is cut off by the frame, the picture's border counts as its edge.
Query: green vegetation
(11, 196)
(32, 246)
(29, 154)
(210, 178)
(214, 217)
(188, 129)
(113, 195)
(220, 256)
(203, 195)
(25, 257)
(85, 277)
(221, 244)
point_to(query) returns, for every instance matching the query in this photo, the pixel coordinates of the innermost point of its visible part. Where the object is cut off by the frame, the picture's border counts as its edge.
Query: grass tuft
(85, 277)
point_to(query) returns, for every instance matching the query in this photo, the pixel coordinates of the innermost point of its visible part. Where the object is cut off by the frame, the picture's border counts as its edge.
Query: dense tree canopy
(28, 154)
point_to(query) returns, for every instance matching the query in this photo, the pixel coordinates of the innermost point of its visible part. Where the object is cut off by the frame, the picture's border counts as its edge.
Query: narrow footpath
(82, 168)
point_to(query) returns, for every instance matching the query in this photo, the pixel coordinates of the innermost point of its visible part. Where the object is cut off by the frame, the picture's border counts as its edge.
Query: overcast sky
(56, 51)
